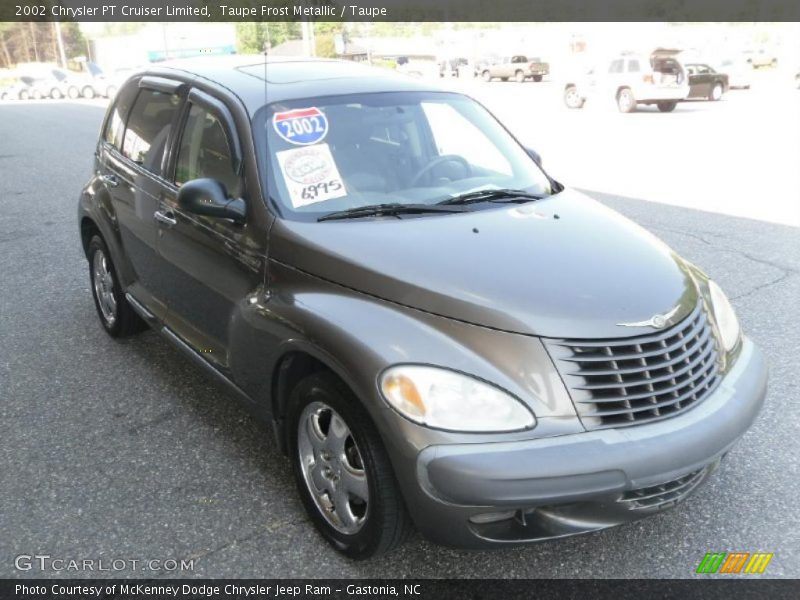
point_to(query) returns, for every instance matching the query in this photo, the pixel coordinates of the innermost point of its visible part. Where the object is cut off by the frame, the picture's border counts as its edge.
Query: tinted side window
(205, 152)
(148, 127)
(114, 127)
(633, 66)
(616, 66)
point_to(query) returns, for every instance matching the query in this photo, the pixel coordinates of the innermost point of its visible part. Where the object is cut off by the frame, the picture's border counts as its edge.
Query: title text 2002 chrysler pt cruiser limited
(439, 332)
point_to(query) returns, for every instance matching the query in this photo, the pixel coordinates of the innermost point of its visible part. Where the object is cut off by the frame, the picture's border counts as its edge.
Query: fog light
(492, 517)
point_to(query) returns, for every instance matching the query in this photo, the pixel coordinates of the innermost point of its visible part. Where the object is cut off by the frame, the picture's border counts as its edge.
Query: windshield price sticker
(302, 126)
(310, 175)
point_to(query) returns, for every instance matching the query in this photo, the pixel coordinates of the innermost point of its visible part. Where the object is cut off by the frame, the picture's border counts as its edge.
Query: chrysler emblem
(656, 321)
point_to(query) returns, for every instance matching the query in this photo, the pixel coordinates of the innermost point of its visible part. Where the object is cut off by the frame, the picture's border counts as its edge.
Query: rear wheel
(111, 91)
(56, 94)
(74, 93)
(537, 78)
(116, 315)
(666, 106)
(626, 103)
(23, 95)
(519, 77)
(572, 98)
(342, 471)
(88, 92)
(486, 76)
(36, 95)
(716, 92)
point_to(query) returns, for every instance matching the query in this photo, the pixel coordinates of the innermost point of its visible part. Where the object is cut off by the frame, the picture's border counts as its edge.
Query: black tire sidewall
(326, 388)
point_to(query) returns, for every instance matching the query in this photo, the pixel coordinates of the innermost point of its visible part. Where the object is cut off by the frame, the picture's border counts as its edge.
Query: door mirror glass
(209, 197)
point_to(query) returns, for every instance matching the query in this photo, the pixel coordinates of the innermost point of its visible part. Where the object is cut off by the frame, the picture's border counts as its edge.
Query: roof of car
(258, 81)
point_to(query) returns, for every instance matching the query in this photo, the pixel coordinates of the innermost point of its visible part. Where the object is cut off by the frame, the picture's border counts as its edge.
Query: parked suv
(438, 331)
(518, 67)
(632, 79)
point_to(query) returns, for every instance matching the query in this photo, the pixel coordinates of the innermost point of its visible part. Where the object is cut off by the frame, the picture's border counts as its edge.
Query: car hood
(565, 266)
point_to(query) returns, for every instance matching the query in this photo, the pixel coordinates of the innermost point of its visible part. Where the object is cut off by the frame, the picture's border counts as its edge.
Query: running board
(202, 362)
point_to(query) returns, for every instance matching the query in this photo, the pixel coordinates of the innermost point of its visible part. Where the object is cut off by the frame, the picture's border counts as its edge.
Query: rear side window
(114, 127)
(148, 128)
(616, 66)
(205, 151)
(633, 66)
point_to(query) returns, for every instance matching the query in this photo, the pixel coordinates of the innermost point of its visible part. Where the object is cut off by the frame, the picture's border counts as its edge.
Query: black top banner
(397, 589)
(400, 10)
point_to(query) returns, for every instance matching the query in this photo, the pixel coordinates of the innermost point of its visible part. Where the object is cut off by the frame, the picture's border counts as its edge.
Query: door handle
(109, 180)
(167, 218)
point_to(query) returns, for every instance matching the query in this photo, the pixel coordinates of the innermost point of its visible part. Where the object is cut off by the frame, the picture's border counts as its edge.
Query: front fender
(358, 336)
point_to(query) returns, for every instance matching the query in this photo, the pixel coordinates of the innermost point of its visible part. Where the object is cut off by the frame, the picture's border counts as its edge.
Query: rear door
(211, 264)
(133, 173)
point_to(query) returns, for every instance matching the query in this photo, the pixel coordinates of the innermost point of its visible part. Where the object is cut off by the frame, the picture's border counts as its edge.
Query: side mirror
(210, 198)
(534, 155)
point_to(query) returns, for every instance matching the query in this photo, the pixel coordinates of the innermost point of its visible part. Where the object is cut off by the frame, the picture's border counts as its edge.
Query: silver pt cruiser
(441, 334)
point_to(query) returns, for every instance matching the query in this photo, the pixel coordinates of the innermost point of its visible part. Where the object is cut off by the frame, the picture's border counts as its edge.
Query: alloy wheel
(332, 468)
(103, 282)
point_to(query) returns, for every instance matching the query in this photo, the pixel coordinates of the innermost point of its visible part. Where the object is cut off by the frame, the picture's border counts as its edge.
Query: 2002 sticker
(310, 175)
(301, 126)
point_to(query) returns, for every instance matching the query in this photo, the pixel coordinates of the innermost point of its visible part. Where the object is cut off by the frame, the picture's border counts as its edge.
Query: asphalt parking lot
(123, 450)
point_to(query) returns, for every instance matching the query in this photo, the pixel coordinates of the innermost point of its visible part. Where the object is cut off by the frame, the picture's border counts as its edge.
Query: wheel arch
(296, 361)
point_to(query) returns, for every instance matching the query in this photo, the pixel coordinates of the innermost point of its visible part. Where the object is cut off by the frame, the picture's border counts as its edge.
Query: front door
(211, 264)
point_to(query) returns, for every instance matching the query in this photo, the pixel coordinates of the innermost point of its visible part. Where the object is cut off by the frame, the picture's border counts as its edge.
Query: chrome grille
(628, 381)
(659, 495)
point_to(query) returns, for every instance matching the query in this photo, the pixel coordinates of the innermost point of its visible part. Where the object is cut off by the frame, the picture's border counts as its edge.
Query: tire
(36, 95)
(23, 95)
(537, 78)
(118, 317)
(572, 98)
(88, 92)
(626, 103)
(667, 106)
(321, 400)
(487, 76)
(74, 93)
(56, 94)
(519, 77)
(111, 91)
(715, 95)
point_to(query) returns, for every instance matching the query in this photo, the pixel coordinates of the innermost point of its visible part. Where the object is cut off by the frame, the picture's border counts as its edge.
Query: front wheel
(88, 92)
(74, 93)
(56, 94)
(666, 106)
(343, 474)
(486, 76)
(519, 77)
(716, 92)
(626, 103)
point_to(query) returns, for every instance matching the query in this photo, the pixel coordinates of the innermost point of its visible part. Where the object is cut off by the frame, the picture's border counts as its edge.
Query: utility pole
(61, 54)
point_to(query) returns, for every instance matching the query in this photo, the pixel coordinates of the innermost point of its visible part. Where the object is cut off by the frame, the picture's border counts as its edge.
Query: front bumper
(477, 495)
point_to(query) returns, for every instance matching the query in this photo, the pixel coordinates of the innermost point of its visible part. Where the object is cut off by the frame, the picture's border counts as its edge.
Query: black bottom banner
(405, 589)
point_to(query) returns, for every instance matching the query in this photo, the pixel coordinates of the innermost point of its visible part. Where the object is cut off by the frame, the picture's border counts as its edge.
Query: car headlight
(725, 317)
(447, 400)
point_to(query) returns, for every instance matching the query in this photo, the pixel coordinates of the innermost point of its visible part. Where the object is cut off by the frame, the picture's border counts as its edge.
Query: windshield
(336, 153)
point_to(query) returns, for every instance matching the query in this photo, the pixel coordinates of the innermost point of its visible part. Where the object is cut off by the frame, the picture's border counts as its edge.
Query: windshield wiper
(501, 195)
(380, 210)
